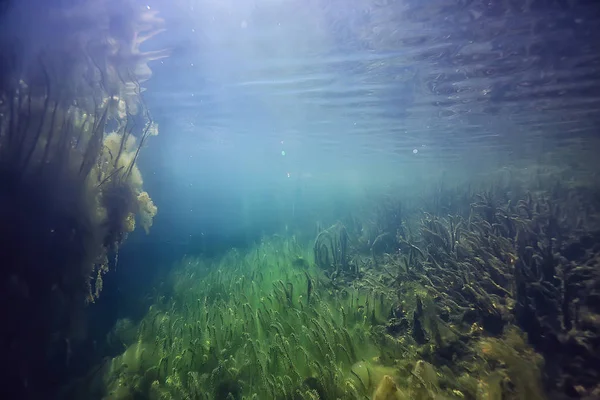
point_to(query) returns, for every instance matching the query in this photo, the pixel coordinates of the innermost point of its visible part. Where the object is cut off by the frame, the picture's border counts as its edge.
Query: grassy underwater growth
(269, 324)
(71, 188)
(472, 304)
(259, 325)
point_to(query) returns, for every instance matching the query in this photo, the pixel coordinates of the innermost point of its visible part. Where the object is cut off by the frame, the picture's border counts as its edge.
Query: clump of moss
(517, 360)
(387, 390)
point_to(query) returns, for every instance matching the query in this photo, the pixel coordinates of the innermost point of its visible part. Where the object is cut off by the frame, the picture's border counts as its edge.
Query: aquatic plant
(71, 186)
(252, 325)
(441, 317)
(528, 261)
(258, 325)
(331, 250)
(475, 262)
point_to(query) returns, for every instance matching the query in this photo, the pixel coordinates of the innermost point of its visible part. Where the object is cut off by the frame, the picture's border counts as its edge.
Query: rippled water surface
(370, 84)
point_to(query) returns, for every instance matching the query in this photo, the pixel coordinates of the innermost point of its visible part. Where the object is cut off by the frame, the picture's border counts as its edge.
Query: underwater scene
(299, 199)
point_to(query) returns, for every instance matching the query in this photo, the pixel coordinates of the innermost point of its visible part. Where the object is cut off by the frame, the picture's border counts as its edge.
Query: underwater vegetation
(472, 293)
(255, 325)
(72, 124)
(515, 257)
(473, 304)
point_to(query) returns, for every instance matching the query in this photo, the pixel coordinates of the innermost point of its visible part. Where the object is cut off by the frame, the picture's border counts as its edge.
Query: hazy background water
(266, 100)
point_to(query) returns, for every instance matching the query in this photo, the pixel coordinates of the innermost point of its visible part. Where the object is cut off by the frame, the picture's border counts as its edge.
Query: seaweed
(64, 211)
